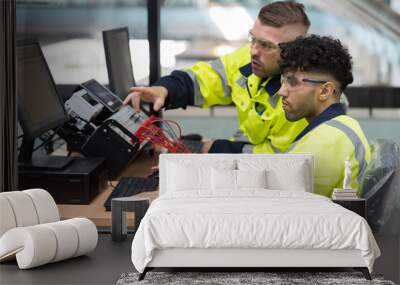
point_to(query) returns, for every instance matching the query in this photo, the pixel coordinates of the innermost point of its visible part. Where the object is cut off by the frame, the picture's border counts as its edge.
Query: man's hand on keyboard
(154, 94)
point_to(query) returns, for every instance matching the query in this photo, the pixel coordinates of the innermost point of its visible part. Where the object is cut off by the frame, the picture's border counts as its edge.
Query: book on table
(345, 194)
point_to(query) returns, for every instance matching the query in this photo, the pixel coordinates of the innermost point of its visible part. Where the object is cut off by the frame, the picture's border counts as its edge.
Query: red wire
(156, 135)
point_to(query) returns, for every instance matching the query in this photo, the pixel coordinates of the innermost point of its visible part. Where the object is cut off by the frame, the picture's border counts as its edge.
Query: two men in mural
(286, 87)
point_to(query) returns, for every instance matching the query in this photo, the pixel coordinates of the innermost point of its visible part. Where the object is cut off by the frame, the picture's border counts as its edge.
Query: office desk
(95, 211)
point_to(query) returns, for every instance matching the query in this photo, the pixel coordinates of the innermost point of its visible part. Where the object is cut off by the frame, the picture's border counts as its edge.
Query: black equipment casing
(113, 145)
(78, 183)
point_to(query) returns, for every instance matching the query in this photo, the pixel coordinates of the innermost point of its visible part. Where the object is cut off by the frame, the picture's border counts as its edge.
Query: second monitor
(118, 59)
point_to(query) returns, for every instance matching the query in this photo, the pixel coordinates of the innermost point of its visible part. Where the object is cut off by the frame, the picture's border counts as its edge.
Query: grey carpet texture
(228, 278)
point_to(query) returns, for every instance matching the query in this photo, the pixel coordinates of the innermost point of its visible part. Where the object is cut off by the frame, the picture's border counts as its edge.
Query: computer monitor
(40, 107)
(118, 59)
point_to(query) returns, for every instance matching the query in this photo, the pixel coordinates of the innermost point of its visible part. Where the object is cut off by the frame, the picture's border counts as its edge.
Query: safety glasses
(262, 44)
(293, 81)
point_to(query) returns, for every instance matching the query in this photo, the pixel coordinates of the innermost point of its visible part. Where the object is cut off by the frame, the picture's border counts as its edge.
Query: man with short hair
(315, 71)
(249, 78)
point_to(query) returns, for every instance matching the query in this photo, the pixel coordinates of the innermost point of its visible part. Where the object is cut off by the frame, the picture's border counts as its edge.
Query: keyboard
(129, 186)
(193, 145)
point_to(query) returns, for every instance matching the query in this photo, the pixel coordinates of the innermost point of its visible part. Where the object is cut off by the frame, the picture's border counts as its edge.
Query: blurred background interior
(70, 33)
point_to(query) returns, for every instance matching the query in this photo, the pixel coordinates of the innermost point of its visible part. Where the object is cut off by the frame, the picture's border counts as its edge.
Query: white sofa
(223, 210)
(31, 230)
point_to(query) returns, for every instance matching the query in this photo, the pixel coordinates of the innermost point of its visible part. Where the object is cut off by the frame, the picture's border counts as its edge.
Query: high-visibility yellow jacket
(332, 142)
(229, 79)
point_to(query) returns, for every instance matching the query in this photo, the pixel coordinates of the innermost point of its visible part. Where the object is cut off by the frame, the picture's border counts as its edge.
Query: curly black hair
(318, 54)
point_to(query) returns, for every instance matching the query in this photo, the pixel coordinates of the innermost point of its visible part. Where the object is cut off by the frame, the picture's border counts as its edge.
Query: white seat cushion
(87, 235)
(41, 244)
(26, 208)
(31, 232)
(45, 205)
(23, 208)
(67, 240)
(7, 220)
(33, 246)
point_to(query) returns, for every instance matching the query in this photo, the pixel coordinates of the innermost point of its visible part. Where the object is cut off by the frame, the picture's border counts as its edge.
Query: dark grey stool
(119, 207)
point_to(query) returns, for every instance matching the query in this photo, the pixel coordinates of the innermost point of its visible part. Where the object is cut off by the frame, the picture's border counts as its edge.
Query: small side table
(119, 207)
(357, 206)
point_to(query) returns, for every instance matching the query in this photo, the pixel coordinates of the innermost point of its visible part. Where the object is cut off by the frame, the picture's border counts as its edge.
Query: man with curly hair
(315, 71)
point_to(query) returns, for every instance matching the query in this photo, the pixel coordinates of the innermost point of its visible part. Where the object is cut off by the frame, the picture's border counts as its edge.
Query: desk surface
(96, 211)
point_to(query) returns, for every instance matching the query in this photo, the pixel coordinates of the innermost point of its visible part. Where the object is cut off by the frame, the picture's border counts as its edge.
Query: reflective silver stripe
(273, 100)
(218, 66)
(198, 98)
(359, 147)
(242, 82)
(248, 148)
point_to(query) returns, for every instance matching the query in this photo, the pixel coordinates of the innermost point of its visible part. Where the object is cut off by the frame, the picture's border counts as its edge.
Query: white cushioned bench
(31, 230)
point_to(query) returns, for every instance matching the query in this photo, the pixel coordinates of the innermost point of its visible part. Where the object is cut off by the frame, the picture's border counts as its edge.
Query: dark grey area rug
(229, 278)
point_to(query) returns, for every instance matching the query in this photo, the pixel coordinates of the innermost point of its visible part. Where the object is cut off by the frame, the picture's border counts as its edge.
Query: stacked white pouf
(31, 230)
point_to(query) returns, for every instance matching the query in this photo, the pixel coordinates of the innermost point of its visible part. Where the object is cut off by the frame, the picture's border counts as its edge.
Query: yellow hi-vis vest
(222, 82)
(331, 143)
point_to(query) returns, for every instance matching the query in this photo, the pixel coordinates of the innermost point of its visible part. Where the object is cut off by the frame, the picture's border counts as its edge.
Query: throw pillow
(223, 179)
(251, 178)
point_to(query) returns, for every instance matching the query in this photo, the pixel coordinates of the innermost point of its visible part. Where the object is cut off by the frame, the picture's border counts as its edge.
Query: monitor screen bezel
(110, 71)
(29, 132)
(115, 100)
